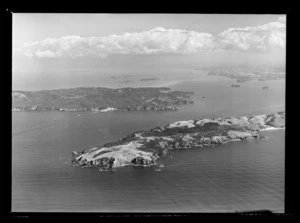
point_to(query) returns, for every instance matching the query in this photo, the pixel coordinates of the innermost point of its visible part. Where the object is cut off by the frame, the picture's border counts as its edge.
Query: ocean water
(240, 176)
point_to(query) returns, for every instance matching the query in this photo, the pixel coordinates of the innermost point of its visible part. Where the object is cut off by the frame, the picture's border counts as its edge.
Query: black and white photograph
(148, 112)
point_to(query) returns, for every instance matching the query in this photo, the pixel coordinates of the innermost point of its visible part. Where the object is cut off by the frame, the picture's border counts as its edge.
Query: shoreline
(272, 129)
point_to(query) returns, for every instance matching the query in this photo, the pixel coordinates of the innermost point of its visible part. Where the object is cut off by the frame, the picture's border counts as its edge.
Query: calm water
(236, 177)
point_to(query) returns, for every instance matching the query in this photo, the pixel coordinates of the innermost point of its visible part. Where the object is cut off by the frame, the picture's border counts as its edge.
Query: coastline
(272, 129)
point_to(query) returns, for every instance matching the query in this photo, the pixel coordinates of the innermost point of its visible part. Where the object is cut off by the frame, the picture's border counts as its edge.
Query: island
(144, 148)
(248, 76)
(100, 99)
(126, 81)
(249, 73)
(265, 88)
(149, 79)
(235, 85)
(243, 79)
(120, 76)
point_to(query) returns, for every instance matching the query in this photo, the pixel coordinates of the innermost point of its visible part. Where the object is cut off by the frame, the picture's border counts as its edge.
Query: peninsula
(100, 99)
(144, 148)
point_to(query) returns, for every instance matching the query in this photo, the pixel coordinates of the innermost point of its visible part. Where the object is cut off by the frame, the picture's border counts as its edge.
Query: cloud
(159, 40)
(282, 19)
(262, 39)
(154, 41)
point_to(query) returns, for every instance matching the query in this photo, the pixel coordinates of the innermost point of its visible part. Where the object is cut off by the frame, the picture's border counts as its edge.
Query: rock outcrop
(143, 148)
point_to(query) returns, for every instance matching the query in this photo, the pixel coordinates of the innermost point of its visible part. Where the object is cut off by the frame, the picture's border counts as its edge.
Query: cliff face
(145, 147)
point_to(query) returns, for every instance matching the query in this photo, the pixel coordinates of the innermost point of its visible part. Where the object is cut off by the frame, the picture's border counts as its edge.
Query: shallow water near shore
(239, 176)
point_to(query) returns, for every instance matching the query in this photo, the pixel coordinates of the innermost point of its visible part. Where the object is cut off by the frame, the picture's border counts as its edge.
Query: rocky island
(144, 148)
(100, 99)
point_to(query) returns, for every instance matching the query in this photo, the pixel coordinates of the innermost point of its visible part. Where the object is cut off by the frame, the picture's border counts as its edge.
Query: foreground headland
(144, 148)
(100, 99)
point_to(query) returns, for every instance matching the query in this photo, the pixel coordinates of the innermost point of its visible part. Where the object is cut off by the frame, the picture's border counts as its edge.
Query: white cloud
(282, 19)
(161, 41)
(154, 41)
(263, 38)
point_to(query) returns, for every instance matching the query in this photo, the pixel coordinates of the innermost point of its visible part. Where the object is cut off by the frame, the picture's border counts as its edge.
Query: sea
(239, 176)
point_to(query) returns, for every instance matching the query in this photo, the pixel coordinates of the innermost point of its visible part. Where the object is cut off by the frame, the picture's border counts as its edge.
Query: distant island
(144, 148)
(244, 74)
(235, 85)
(265, 88)
(126, 81)
(120, 76)
(100, 99)
(149, 79)
(243, 79)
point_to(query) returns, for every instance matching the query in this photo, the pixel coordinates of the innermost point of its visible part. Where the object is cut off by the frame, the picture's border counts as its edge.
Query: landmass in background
(100, 99)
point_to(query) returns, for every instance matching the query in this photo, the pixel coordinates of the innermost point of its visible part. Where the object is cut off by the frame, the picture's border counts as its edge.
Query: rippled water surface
(234, 177)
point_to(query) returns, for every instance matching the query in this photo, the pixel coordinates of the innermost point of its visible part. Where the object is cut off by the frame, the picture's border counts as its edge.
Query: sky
(58, 42)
